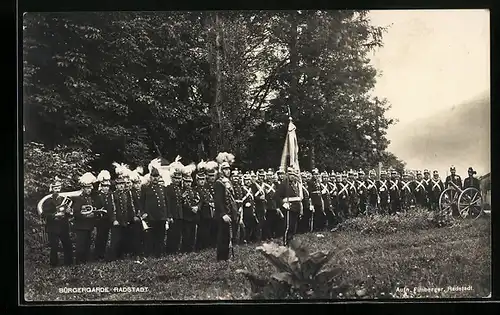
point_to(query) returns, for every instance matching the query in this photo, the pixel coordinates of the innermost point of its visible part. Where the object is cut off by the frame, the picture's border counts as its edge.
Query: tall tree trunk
(215, 109)
(312, 156)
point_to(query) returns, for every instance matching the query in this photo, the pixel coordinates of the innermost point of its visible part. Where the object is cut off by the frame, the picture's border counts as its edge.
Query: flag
(290, 155)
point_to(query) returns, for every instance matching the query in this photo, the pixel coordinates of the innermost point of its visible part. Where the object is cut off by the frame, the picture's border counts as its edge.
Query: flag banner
(290, 155)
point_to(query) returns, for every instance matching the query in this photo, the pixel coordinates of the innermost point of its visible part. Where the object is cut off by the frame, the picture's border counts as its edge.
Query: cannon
(468, 201)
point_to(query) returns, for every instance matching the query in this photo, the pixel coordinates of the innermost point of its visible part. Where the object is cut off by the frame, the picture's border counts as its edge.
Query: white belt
(291, 199)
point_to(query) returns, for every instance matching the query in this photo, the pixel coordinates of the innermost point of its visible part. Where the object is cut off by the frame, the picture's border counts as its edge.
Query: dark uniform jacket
(224, 199)
(248, 203)
(394, 189)
(153, 201)
(82, 222)
(190, 204)
(383, 187)
(343, 191)
(353, 191)
(437, 188)
(49, 208)
(428, 186)
(123, 212)
(135, 195)
(107, 202)
(371, 191)
(206, 197)
(325, 195)
(314, 188)
(292, 191)
(259, 194)
(361, 187)
(454, 179)
(407, 188)
(174, 201)
(472, 182)
(270, 190)
(306, 199)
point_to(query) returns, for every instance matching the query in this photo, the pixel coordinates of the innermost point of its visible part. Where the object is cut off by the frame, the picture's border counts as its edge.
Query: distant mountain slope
(458, 136)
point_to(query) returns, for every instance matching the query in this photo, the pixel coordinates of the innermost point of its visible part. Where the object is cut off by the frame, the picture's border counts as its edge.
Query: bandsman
(314, 187)
(84, 218)
(56, 212)
(135, 237)
(437, 189)
(226, 209)
(175, 209)
(289, 194)
(206, 210)
(259, 194)
(383, 189)
(105, 200)
(281, 175)
(190, 207)
(372, 192)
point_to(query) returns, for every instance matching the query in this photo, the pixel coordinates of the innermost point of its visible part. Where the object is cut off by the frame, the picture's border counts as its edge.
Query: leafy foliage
(298, 274)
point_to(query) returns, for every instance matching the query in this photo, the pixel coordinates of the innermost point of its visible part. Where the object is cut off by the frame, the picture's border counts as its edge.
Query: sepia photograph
(333, 155)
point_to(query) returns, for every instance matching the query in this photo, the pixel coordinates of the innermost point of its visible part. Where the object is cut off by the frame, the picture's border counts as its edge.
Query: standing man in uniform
(362, 192)
(314, 187)
(241, 199)
(250, 220)
(190, 208)
(395, 192)
(211, 168)
(203, 237)
(84, 218)
(353, 194)
(383, 189)
(260, 205)
(327, 201)
(225, 209)
(273, 216)
(437, 188)
(372, 193)
(420, 191)
(428, 187)
(105, 200)
(306, 220)
(343, 196)
(154, 205)
(455, 182)
(333, 191)
(471, 181)
(56, 212)
(175, 210)
(290, 196)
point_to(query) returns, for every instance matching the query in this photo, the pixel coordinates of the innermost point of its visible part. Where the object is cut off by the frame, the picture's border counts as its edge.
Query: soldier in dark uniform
(343, 196)
(240, 198)
(314, 187)
(428, 187)
(362, 192)
(394, 193)
(190, 207)
(437, 188)
(333, 219)
(281, 175)
(175, 210)
(407, 192)
(372, 193)
(205, 210)
(226, 211)
(455, 182)
(84, 218)
(56, 212)
(250, 220)
(290, 196)
(260, 205)
(420, 190)
(211, 167)
(383, 189)
(104, 200)
(471, 181)
(273, 216)
(327, 201)
(306, 220)
(353, 194)
(134, 234)
(154, 205)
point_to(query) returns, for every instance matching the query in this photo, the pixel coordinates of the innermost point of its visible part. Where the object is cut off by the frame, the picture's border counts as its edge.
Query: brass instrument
(64, 208)
(66, 201)
(145, 225)
(88, 209)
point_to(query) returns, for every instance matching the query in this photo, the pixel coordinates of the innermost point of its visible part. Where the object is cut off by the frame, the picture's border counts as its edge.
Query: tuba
(67, 203)
(145, 225)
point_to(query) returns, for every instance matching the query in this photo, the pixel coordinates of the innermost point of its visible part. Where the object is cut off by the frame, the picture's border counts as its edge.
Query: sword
(231, 248)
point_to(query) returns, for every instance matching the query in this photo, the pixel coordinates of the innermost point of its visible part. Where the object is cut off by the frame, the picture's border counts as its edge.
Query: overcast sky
(431, 60)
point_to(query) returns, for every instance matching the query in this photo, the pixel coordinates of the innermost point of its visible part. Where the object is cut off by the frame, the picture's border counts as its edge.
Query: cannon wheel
(446, 200)
(470, 203)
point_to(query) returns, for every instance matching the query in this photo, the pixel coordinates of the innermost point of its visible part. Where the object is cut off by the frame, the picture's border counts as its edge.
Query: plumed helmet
(87, 180)
(225, 160)
(187, 172)
(452, 168)
(211, 167)
(471, 170)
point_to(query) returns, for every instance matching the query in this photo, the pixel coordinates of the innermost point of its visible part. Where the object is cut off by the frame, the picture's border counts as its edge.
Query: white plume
(225, 157)
(211, 165)
(189, 169)
(202, 165)
(103, 175)
(87, 178)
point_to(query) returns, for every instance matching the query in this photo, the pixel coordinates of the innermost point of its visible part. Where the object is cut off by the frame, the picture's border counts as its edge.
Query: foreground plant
(298, 275)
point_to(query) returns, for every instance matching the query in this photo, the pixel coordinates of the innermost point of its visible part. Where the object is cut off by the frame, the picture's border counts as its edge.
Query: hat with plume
(122, 170)
(87, 179)
(225, 160)
(211, 167)
(187, 172)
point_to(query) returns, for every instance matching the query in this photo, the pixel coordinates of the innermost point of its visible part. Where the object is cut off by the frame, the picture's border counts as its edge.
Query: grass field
(383, 264)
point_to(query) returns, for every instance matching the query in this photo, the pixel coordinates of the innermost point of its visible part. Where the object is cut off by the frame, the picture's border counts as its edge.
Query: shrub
(298, 275)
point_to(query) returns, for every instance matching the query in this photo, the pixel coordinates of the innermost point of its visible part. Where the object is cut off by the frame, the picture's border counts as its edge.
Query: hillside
(459, 135)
